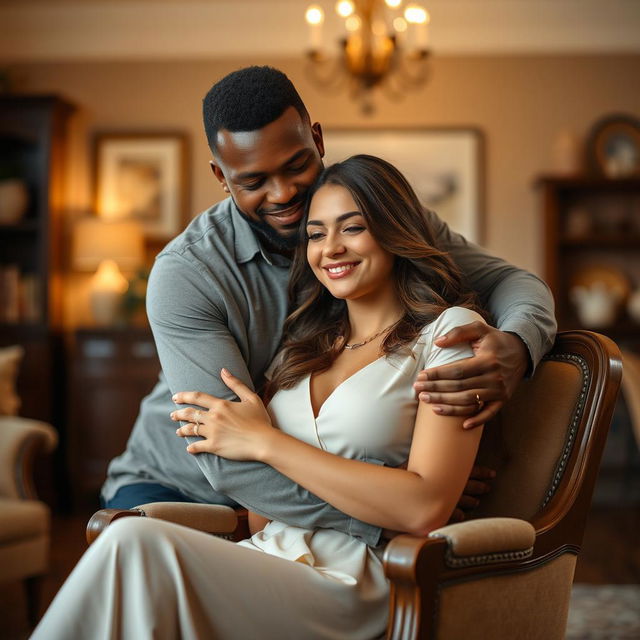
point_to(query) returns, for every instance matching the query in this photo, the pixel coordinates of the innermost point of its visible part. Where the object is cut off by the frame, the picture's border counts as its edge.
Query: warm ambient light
(415, 14)
(400, 24)
(314, 15)
(107, 246)
(344, 8)
(381, 48)
(352, 23)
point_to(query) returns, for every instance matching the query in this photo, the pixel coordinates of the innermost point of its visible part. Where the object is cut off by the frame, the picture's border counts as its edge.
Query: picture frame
(143, 176)
(444, 165)
(613, 146)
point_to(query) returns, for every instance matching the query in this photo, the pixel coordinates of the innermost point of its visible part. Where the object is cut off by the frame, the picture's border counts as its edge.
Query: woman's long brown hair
(427, 280)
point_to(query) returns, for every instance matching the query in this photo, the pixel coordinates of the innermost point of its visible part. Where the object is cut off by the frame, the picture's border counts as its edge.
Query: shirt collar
(247, 245)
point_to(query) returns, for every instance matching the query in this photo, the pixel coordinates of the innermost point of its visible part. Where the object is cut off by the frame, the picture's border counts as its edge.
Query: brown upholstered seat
(24, 520)
(508, 572)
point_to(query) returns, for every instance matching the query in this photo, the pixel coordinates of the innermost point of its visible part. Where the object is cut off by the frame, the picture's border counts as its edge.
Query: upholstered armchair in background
(24, 520)
(508, 571)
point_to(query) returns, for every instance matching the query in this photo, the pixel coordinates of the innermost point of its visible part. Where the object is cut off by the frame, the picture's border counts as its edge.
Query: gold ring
(480, 403)
(196, 417)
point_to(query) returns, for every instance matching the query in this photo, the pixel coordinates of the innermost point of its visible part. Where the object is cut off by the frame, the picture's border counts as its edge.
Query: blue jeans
(131, 495)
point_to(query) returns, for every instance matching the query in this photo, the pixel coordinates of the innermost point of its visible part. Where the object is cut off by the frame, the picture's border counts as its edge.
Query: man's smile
(290, 215)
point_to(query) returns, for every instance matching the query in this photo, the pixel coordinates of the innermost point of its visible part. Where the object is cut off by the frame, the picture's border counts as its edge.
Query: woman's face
(343, 254)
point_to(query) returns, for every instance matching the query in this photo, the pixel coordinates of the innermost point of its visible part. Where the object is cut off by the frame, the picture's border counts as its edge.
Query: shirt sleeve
(194, 342)
(520, 302)
(432, 355)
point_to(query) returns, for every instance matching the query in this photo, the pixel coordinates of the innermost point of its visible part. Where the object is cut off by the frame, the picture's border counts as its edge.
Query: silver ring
(195, 429)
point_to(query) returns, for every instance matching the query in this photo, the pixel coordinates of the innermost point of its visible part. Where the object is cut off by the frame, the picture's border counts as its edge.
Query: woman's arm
(415, 500)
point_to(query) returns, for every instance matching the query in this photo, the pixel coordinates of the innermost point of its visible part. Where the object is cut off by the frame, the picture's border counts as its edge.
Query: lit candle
(418, 17)
(315, 17)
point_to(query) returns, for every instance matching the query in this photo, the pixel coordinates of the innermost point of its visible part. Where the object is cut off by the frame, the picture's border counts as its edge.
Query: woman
(372, 292)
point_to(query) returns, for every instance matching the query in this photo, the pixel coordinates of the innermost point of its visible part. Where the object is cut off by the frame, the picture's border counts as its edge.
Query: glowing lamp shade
(105, 247)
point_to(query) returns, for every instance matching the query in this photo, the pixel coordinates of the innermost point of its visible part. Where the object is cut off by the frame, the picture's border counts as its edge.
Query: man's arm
(523, 309)
(194, 343)
(520, 302)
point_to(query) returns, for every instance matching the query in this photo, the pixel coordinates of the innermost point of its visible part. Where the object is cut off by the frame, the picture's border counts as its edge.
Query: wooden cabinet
(111, 370)
(32, 144)
(592, 234)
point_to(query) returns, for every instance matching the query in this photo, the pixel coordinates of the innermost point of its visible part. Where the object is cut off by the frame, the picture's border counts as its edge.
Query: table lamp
(106, 246)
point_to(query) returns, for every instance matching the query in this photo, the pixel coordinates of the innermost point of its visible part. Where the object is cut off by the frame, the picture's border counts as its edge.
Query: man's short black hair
(247, 100)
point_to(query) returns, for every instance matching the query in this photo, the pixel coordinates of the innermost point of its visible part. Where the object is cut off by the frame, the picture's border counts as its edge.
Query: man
(217, 298)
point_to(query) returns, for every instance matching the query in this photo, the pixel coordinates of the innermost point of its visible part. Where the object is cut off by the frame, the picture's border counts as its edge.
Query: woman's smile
(340, 270)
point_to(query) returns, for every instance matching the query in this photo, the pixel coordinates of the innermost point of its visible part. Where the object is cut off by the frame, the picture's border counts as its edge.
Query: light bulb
(344, 8)
(314, 14)
(415, 14)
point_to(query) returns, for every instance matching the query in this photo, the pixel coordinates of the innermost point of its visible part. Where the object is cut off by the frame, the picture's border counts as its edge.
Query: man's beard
(269, 235)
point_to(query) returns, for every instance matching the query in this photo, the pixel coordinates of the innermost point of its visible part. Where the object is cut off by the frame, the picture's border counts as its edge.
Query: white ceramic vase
(597, 305)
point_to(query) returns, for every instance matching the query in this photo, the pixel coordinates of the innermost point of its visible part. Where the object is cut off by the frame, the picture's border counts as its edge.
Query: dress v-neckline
(347, 379)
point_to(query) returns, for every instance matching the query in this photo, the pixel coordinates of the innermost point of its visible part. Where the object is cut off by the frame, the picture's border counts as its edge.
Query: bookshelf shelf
(32, 144)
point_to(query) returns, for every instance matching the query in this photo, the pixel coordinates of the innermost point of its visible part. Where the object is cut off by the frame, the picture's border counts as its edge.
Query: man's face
(269, 171)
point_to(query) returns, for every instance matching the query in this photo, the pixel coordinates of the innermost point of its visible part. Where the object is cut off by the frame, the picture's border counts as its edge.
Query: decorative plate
(613, 146)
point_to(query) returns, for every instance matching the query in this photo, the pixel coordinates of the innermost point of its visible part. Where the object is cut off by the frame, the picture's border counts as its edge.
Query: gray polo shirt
(217, 299)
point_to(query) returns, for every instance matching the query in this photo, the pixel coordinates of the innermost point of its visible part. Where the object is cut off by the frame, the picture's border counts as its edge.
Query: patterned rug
(604, 612)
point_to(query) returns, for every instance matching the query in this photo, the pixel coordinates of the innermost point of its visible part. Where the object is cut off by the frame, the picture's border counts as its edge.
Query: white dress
(144, 578)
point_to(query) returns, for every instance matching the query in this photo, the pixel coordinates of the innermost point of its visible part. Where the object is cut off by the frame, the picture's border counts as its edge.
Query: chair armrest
(417, 567)
(101, 519)
(482, 541)
(487, 540)
(20, 440)
(215, 519)
(210, 518)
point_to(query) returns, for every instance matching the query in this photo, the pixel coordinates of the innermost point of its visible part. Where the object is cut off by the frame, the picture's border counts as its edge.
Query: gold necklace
(357, 345)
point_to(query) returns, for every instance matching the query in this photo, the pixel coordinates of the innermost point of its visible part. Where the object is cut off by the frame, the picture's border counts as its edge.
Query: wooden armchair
(506, 573)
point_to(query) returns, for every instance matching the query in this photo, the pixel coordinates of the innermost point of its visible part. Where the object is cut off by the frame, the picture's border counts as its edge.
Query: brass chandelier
(386, 45)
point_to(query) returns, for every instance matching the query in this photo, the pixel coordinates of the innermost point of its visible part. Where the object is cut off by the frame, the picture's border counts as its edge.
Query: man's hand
(477, 386)
(477, 485)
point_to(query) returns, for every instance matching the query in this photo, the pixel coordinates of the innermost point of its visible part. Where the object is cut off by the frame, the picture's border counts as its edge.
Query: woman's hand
(234, 430)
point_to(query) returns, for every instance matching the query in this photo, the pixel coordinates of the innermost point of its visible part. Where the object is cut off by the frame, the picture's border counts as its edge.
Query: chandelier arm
(327, 72)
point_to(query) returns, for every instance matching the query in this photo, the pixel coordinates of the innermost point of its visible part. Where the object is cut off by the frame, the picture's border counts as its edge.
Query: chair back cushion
(529, 441)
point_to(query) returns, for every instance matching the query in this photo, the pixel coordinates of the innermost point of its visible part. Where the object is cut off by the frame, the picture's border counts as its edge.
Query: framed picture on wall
(443, 165)
(143, 176)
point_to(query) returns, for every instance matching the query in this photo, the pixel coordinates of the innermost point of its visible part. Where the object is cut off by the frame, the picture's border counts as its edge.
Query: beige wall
(521, 103)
